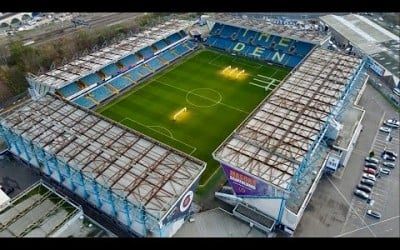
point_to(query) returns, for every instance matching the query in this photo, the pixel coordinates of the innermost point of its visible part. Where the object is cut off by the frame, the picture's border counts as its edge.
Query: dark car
(387, 157)
(390, 153)
(367, 182)
(364, 188)
(374, 214)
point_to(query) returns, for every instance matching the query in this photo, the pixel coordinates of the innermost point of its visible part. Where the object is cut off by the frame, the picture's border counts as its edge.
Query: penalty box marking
(156, 126)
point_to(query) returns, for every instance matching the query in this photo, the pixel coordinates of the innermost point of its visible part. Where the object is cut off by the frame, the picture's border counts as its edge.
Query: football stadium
(135, 127)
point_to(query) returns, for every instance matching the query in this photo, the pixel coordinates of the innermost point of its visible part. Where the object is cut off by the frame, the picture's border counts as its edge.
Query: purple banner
(244, 184)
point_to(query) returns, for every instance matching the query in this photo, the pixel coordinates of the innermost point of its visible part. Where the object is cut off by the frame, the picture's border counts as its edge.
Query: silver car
(384, 171)
(374, 214)
(361, 194)
(388, 164)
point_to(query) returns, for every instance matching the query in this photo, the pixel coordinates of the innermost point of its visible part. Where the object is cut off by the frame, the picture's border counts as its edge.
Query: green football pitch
(219, 91)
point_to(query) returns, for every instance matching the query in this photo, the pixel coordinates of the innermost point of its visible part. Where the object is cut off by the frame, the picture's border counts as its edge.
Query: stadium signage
(242, 179)
(244, 184)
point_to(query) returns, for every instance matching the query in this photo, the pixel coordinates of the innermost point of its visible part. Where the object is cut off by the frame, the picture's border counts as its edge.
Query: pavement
(333, 210)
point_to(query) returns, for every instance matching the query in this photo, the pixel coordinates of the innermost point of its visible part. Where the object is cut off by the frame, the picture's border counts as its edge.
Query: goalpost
(179, 112)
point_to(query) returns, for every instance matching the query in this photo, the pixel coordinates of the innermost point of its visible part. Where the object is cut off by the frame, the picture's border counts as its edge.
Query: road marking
(351, 207)
(367, 226)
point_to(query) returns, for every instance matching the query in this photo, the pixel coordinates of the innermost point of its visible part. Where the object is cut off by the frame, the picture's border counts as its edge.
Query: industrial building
(366, 38)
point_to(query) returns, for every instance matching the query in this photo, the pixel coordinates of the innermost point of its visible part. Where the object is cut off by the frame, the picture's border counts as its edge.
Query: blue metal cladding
(133, 217)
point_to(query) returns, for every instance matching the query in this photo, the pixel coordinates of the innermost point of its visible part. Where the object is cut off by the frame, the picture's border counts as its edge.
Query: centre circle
(203, 97)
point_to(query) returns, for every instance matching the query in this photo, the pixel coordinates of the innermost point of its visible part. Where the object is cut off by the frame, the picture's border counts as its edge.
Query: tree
(371, 154)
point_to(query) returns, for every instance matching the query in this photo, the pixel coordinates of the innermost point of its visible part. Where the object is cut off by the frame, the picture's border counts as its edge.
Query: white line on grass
(183, 90)
(211, 62)
(151, 128)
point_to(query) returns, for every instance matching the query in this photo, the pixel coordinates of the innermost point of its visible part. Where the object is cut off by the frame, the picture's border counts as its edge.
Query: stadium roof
(146, 172)
(368, 36)
(95, 61)
(291, 31)
(273, 141)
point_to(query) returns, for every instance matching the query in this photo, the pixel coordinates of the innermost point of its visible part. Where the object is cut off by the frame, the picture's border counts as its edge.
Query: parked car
(364, 188)
(369, 176)
(367, 182)
(375, 167)
(385, 129)
(372, 159)
(389, 152)
(361, 194)
(374, 214)
(370, 171)
(387, 157)
(384, 171)
(388, 164)
(370, 165)
(393, 123)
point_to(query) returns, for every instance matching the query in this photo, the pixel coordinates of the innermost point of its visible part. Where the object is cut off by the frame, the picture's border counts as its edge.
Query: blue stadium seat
(102, 93)
(173, 38)
(211, 41)
(91, 79)
(160, 45)
(84, 102)
(180, 49)
(134, 74)
(302, 48)
(120, 82)
(155, 63)
(69, 89)
(143, 71)
(168, 56)
(182, 33)
(224, 44)
(146, 52)
(110, 70)
(129, 61)
(228, 31)
(293, 61)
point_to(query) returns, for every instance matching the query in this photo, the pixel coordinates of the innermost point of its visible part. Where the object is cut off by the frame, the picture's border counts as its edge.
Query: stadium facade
(273, 160)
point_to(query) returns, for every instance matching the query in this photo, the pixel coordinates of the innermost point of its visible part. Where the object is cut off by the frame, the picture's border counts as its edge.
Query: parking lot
(334, 211)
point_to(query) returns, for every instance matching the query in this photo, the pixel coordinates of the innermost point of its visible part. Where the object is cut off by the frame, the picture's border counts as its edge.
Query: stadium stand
(155, 64)
(173, 38)
(160, 45)
(120, 82)
(129, 61)
(168, 56)
(91, 79)
(143, 71)
(268, 47)
(100, 94)
(146, 52)
(85, 102)
(69, 90)
(111, 70)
